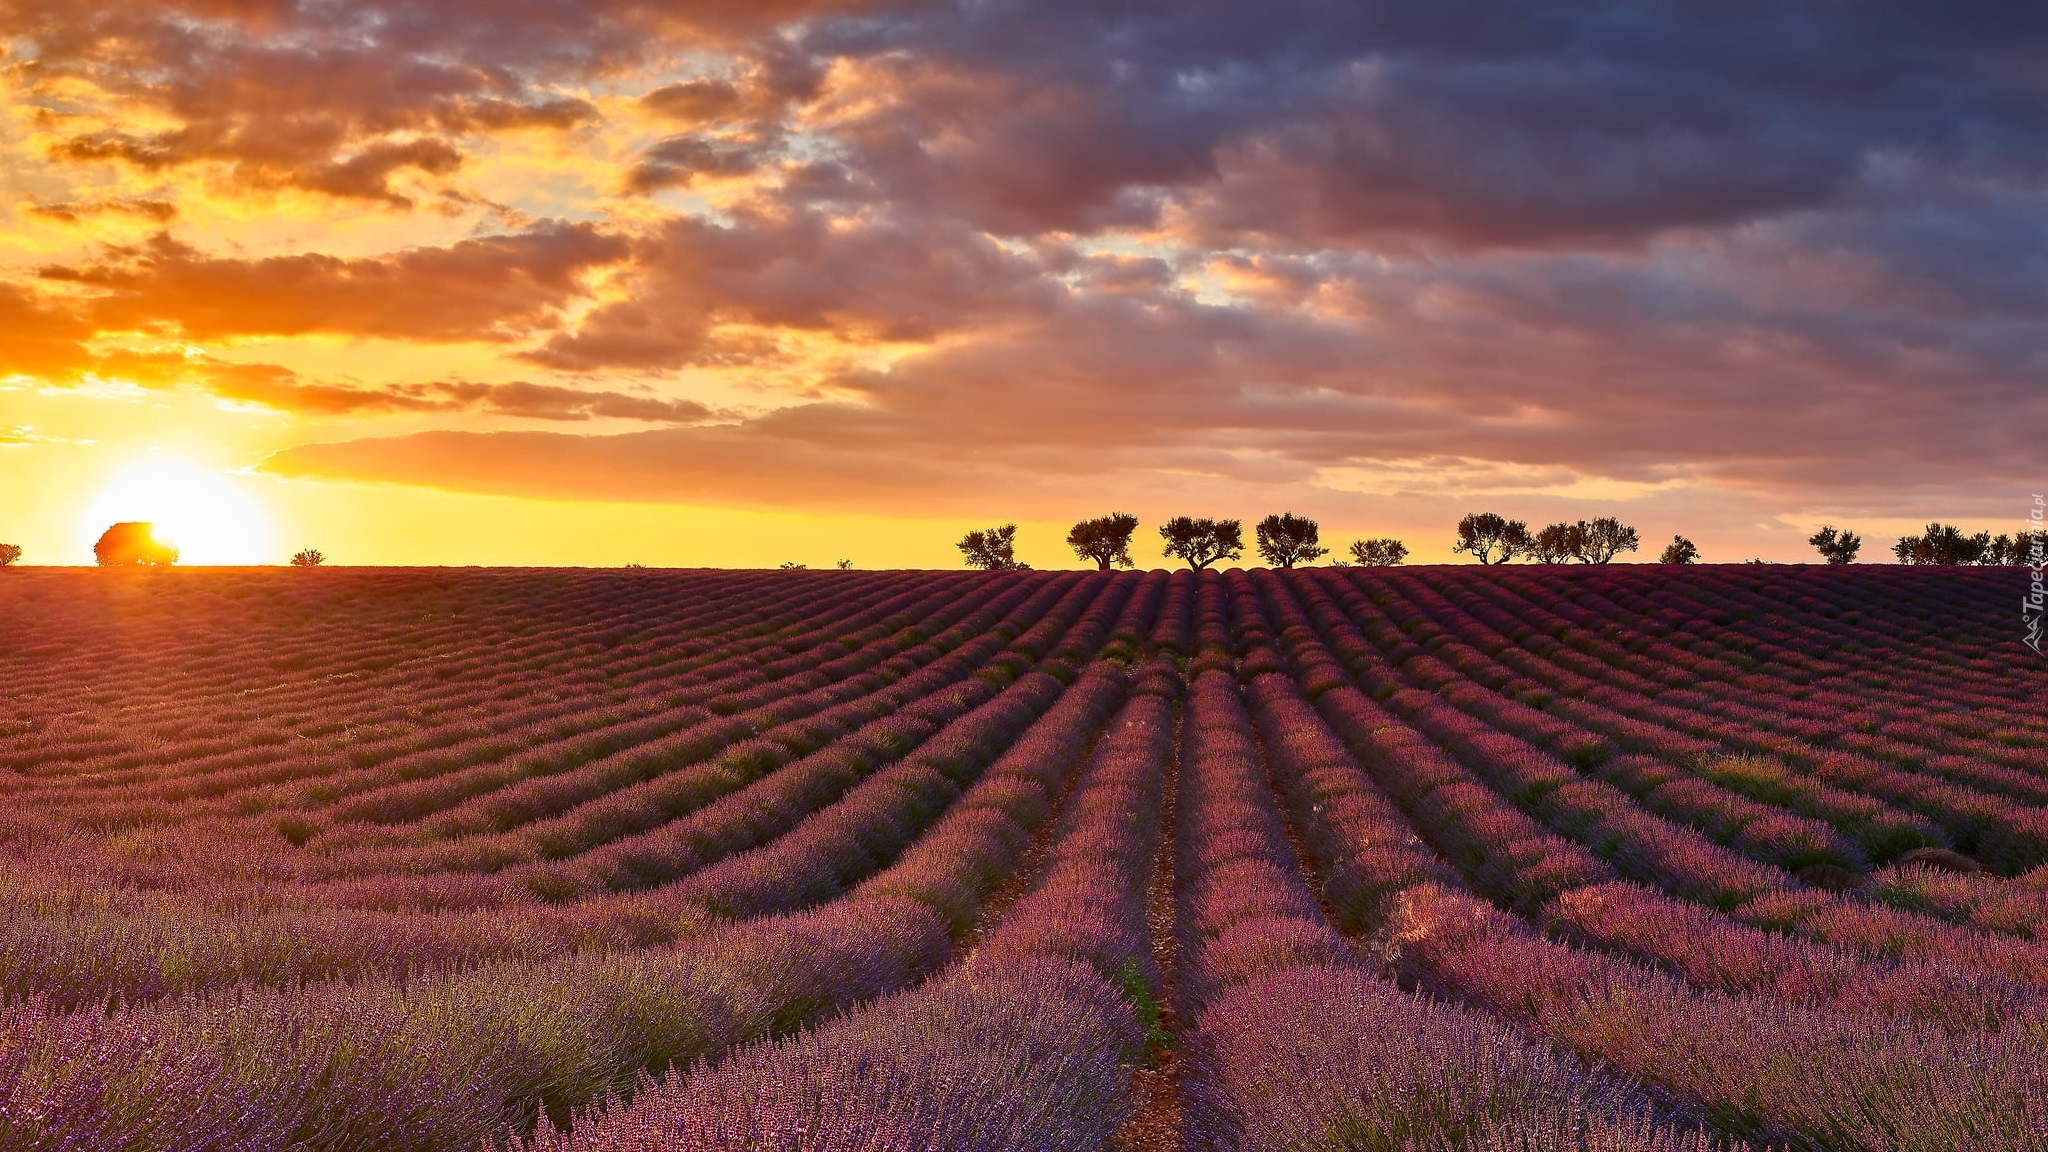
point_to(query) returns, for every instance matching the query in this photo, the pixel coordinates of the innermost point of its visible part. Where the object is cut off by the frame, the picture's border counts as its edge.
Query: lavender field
(1606, 858)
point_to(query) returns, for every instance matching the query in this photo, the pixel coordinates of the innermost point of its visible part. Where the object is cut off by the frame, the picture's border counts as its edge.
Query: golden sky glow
(600, 283)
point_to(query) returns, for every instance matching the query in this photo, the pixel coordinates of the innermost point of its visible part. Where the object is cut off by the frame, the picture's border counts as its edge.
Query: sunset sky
(745, 281)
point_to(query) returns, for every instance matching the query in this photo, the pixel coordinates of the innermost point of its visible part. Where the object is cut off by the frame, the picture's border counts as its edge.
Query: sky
(739, 282)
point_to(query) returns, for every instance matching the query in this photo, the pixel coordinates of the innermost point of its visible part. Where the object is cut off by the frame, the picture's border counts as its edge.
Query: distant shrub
(1942, 544)
(1679, 551)
(2017, 550)
(1379, 553)
(1836, 547)
(308, 558)
(845, 565)
(793, 566)
(132, 543)
(9, 554)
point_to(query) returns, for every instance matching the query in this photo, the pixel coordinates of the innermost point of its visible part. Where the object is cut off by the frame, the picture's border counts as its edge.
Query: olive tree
(1286, 540)
(1483, 533)
(1602, 540)
(992, 549)
(1557, 543)
(1202, 542)
(1106, 540)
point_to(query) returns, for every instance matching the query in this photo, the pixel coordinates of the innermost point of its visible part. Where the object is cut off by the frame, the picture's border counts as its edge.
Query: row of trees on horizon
(1285, 540)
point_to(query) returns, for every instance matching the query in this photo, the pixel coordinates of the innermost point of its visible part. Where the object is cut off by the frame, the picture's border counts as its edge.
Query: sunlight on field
(206, 515)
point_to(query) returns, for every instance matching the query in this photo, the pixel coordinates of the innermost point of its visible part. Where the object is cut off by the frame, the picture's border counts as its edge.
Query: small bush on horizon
(1836, 547)
(9, 554)
(1942, 544)
(1679, 551)
(1382, 552)
(308, 558)
(793, 566)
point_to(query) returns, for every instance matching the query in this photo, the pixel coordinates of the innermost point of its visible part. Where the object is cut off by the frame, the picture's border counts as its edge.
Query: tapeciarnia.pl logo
(2037, 559)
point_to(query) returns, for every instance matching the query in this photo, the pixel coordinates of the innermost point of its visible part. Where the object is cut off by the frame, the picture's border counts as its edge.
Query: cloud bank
(875, 255)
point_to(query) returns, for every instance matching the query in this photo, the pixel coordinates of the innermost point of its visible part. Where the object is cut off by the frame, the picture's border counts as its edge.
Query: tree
(993, 549)
(1105, 540)
(1379, 553)
(1679, 551)
(1202, 542)
(845, 565)
(1557, 543)
(2016, 550)
(308, 558)
(1836, 547)
(1286, 540)
(1604, 539)
(133, 543)
(1481, 533)
(1942, 544)
(9, 553)
(793, 566)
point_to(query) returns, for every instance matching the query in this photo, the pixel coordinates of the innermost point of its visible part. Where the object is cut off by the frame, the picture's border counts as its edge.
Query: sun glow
(205, 515)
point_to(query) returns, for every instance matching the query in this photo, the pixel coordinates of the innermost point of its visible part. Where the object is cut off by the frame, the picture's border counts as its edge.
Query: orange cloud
(494, 288)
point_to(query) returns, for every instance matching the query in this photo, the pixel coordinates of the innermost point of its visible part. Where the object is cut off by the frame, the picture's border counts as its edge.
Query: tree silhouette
(793, 566)
(1679, 551)
(1942, 544)
(1603, 540)
(993, 549)
(845, 565)
(1105, 540)
(1379, 553)
(132, 543)
(9, 553)
(1836, 547)
(2016, 550)
(308, 558)
(1202, 542)
(1557, 543)
(1286, 540)
(1482, 533)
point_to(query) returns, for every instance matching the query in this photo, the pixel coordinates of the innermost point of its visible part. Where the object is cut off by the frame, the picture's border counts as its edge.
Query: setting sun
(203, 514)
